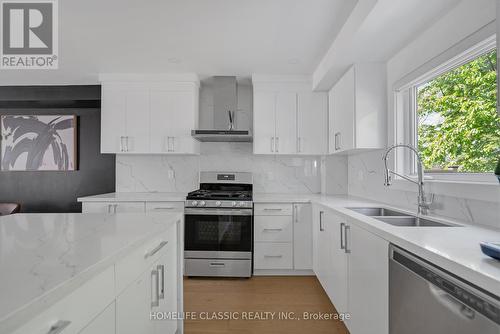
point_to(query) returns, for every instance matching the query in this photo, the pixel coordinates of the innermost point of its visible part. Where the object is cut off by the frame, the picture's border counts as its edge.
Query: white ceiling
(224, 37)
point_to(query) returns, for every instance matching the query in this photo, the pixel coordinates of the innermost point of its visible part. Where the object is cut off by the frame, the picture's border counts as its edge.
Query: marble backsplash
(272, 174)
(365, 179)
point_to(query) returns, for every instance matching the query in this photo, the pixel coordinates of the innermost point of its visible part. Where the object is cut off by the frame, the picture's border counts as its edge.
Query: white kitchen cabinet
(312, 127)
(112, 207)
(368, 282)
(149, 115)
(273, 229)
(302, 236)
(264, 105)
(345, 259)
(134, 304)
(273, 256)
(285, 140)
(289, 118)
(357, 109)
(104, 323)
(173, 116)
(124, 118)
(168, 303)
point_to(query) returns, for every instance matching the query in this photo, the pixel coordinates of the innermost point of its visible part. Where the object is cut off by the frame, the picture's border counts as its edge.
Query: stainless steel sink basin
(413, 221)
(378, 212)
(397, 218)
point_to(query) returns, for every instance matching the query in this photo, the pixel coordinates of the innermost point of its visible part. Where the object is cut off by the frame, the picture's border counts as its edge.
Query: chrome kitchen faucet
(423, 203)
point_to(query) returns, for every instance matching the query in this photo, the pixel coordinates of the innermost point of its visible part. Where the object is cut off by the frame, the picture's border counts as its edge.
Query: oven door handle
(218, 212)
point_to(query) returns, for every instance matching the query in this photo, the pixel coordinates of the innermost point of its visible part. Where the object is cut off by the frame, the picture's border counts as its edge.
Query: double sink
(398, 218)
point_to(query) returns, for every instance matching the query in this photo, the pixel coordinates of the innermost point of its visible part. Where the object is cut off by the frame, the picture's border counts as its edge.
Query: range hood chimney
(225, 108)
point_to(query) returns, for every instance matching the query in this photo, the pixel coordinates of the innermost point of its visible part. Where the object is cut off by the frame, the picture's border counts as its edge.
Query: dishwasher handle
(455, 306)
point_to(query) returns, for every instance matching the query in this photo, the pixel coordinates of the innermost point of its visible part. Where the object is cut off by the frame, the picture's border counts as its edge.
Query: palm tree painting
(38, 143)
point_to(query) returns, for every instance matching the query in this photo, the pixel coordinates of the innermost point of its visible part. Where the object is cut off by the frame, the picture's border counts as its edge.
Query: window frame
(406, 120)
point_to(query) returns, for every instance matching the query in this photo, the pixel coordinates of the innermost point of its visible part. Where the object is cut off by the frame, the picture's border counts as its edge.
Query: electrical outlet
(171, 174)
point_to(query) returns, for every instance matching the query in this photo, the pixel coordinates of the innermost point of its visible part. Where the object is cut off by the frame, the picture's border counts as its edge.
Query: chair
(9, 208)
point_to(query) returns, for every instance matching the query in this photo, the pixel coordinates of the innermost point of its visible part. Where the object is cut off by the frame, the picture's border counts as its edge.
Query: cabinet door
(337, 262)
(168, 285)
(264, 106)
(368, 303)
(134, 304)
(137, 108)
(185, 110)
(113, 119)
(162, 121)
(311, 123)
(104, 323)
(343, 109)
(286, 123)
(302, 236)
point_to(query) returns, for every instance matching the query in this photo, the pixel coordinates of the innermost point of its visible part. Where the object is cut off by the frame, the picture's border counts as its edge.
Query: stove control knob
(194, 203)
(218, 203)
(202, 203)
(233, 203)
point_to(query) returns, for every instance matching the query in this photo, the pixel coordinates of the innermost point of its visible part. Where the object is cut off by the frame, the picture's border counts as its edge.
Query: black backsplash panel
(51, 191)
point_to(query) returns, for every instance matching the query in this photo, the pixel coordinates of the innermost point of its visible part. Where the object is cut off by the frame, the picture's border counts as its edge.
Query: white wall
(365, 170)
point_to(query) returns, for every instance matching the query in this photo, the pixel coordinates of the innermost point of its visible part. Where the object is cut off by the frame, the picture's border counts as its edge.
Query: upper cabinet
(289, 118)
(357, 109)
(149, 115)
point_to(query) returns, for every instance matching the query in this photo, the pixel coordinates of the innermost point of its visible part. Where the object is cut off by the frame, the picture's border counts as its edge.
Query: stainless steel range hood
(225, 107)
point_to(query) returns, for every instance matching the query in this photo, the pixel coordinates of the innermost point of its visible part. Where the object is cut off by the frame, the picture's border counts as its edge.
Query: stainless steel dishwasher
(426, 299)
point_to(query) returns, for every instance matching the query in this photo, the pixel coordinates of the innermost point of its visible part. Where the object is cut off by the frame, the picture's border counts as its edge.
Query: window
(450, 115)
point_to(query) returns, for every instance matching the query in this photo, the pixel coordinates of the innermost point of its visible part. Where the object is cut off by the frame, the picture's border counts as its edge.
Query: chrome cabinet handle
(272, 209)
(217, 264)
(166, 208)
(321, 229)
(114, 207)
(122, 145)
(342, 246)
(126, 144)
(58, 327)
(173, 144)
(161, 271)
(109, 208)
(273, 256)
(155, 297)
(156, 249)
(273, 229)
(277, 148)
(272, 144)
(296, 213)
(346, 248)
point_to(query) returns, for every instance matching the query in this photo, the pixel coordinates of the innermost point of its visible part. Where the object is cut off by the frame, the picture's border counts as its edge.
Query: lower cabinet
(352, 266)
(283, 241)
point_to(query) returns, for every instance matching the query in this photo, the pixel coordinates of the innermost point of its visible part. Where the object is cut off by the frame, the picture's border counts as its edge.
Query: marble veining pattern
(272, 174)
(365, 179)
(38, 252)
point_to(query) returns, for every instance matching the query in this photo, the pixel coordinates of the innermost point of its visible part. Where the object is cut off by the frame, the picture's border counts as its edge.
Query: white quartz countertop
(136, 197)
(455, 249)
(45, 256)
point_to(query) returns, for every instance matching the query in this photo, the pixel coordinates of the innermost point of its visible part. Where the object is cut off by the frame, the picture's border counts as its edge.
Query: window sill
(476, 190)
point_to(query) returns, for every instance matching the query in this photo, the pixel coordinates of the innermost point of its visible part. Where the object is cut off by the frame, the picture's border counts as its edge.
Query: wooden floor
(258, 294)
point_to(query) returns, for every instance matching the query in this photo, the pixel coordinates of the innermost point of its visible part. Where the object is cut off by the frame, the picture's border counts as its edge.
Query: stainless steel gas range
(218, 234)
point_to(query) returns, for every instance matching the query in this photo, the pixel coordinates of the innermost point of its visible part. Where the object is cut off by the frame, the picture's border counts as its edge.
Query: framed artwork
(38, 143)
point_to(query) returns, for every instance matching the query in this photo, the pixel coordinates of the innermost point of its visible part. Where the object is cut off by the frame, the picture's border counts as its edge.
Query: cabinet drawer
(75, 311)
(112, 207)
(273, 209)
(165, 206)
(134, 264)
(273, 228)
(273, 255)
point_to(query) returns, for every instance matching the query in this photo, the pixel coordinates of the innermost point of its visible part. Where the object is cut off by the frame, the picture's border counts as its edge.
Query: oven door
(218, 233)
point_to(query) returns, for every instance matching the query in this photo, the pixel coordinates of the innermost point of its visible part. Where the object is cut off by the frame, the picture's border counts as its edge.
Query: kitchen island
(89, 273)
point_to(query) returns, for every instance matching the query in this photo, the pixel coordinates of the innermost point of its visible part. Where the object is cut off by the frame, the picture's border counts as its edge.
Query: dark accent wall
(52, 191)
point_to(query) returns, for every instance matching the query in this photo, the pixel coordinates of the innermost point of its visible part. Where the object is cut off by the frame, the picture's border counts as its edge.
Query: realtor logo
(29, 34)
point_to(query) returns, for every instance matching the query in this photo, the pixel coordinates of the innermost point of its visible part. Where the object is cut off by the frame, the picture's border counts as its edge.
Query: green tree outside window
(458, 123)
